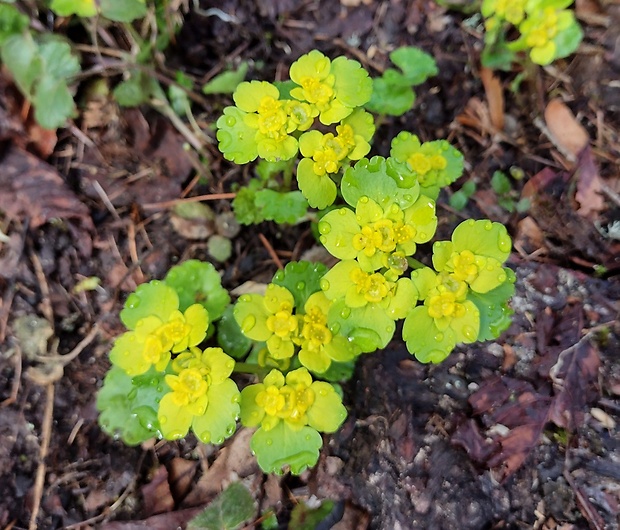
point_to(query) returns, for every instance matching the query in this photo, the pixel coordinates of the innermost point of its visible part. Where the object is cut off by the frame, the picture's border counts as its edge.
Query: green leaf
(82, 8)
(282, 448)
(281, 206)
(416, 64)
(377, 180)
(495, 315)
(136, 90)
(338, 372)
(20, 54)
(197, 282)
(53, 102)
(226, 82)
(219, 248)
(128, 406)
(390, 99)
(424, 340)
(122, 10)
(58, 61)
(153, 298)
(305, 518)
(301, 278)
(500, 183)
(229, 336)
(12, 22)
(227, 512)
(237, 140)
(219, 420)
(268, 171)
(368, 328)
(497, 56)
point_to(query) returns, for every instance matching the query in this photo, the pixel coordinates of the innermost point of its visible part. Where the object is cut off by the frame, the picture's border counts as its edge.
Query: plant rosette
(157, 329)
(202, 397)
(290, 411)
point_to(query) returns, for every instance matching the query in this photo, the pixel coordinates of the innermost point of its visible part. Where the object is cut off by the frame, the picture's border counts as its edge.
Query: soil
(519, 433)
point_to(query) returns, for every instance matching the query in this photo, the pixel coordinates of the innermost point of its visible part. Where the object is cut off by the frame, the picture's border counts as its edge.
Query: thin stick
(68, 357)
(46, 434)
(197, 198)
(271, 251)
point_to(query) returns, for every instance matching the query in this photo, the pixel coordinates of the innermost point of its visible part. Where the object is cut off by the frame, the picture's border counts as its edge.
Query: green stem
(250, 368)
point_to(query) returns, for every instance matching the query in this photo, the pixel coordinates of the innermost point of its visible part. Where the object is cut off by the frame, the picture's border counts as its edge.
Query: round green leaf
(282, 448)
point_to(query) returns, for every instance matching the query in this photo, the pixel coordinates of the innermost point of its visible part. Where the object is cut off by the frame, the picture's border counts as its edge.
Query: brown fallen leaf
(165, 521)
(156, 494)
(495, 97)
(589, 186)
(575, 381)
(568, 135)
(33, 189)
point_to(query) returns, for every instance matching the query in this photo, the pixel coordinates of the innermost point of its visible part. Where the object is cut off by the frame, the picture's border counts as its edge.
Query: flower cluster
(161, 383)
(548, 29)
(465, 295)
(273, 124)
(286, 330)
(374, 239)
(433, 164)
(296, 400)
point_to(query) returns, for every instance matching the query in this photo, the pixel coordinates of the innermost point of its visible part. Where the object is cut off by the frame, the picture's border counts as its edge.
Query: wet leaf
(231, 508)
(575, 381)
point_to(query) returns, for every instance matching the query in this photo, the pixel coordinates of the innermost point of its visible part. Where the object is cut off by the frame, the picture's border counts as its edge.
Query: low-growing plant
(547, 31)
(300, 337)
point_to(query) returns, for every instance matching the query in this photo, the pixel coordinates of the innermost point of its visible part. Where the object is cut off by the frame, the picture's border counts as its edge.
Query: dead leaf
(589, 186)
(182, 473)
(529, 237)
(33, 189)
(568, 135)
(478, 447)
(575, 381)
(165, 521)
(156, 494)
(495, 97)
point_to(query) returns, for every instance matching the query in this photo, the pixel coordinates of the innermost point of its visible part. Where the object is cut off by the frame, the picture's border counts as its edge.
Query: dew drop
(469, 333)
(248, 323)
(205, 437)
(488, 225)
(230, 429)
(236, 398)
(160, 388)
(324, 284)
(163, 420)
(335, 328)
(504, 243)
(230, 365)
(240, 136)
(408, 197)
(343, 211)
(219, 440)
(308, 437)
(126, 353)
(363, 199)
(323, 240)
(322, 392)
(439, 337)
(501, 277)
(394, 208)
(230, 121)
(301, 286)
(345, 313)
(245, 298)
(422, 235)
(325, 227)
(269, 441)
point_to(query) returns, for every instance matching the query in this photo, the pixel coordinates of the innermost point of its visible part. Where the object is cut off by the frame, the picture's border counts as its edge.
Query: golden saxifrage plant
(173, 370)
